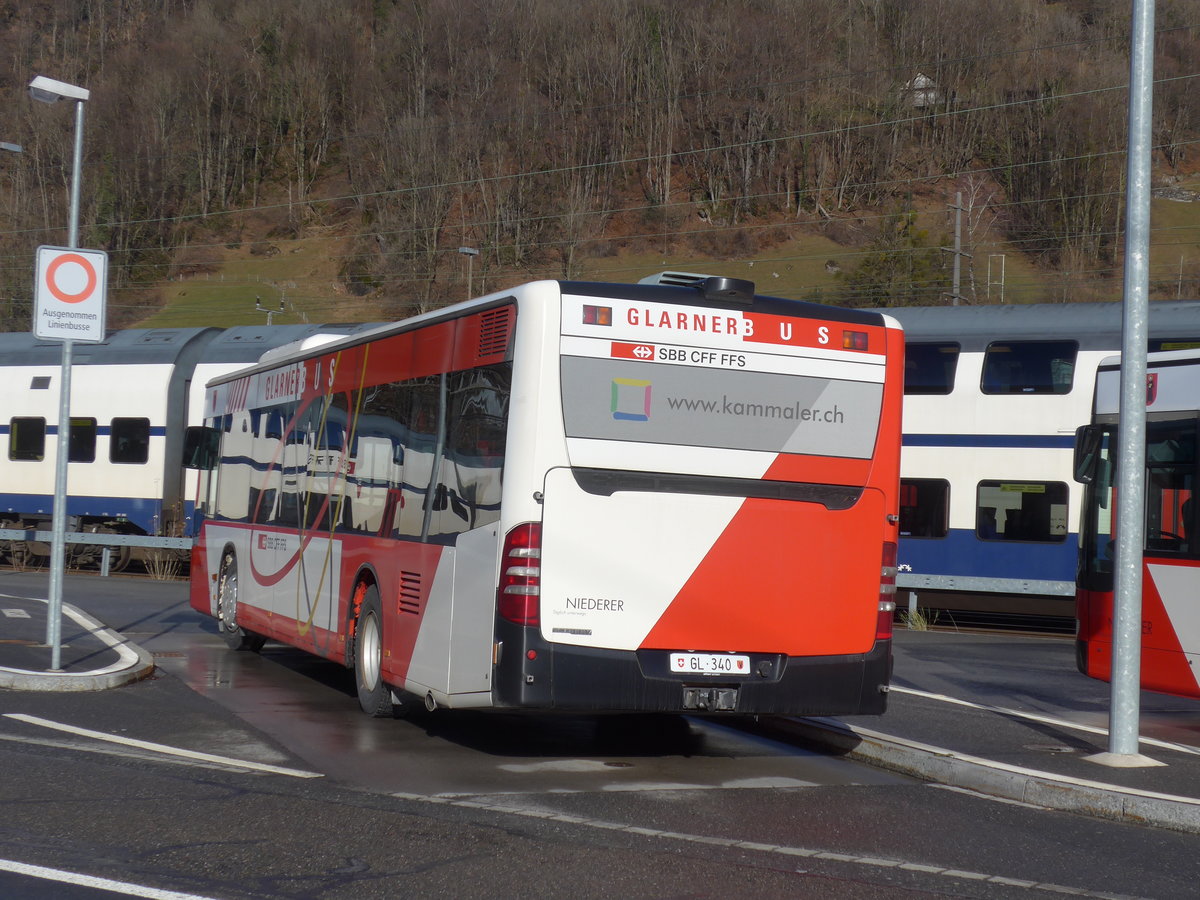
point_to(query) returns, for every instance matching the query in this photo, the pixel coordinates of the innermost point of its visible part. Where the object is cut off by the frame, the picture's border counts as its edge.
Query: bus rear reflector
(518, 596)
(854, 340)
(887, 592)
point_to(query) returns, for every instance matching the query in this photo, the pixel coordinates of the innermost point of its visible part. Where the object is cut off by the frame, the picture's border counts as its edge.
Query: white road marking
(83, 746)
(125, 656)
(91, 881)
(164, 748)
(780, 849)
(1045, 720)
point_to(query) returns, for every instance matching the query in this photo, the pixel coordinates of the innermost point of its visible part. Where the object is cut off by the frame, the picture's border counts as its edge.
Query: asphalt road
(239, 775)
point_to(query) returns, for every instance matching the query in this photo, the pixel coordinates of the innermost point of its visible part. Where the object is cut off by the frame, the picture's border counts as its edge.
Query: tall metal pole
(59, 520)
(1131, 452)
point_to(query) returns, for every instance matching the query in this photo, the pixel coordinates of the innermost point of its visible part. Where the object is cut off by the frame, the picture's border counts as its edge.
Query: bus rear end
(700, 505)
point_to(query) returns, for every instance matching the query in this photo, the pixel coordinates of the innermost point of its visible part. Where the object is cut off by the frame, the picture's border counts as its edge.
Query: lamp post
(470, 253)
(47, 90)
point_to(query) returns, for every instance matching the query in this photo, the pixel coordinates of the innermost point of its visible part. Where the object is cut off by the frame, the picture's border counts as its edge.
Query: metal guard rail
(98, 539)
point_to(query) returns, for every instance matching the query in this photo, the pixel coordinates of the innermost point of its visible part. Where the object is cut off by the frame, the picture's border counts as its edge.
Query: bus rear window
(621, 400)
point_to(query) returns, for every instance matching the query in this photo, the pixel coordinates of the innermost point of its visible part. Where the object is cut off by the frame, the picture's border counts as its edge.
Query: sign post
(70, 294)
(65, 274)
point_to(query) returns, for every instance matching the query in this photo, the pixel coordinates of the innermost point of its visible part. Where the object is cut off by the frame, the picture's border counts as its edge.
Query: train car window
(81, 441)
(924, 507)
(929, 368)
(1021, 511)
(129, 441)
(27, 439)
(1029, 367)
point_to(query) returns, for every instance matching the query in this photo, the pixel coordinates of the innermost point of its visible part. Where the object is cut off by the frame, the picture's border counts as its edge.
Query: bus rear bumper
(583, 679)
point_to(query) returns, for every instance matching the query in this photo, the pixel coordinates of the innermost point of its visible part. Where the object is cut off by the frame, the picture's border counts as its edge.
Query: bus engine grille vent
(495, 326)
(410, 593)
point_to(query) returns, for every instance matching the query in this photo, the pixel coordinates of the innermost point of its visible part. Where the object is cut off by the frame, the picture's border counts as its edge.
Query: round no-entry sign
(70, 293)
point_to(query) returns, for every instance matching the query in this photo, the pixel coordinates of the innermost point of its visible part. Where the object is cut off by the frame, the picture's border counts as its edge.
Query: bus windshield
(1170, 525)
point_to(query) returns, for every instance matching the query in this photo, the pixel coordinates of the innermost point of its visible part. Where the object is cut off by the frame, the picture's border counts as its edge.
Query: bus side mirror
(1088, 439)
(200, 447)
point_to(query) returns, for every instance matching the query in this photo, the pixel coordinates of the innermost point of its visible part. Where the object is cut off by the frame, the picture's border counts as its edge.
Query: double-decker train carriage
(989, 510)
(132, 397)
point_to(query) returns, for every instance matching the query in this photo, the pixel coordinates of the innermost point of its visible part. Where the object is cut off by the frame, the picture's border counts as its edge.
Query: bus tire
(374, 696)
(236, 637)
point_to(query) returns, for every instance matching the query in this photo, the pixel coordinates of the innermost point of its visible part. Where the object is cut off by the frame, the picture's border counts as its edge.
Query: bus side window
(475, 447)
(200, 447)
(419, 450)
(1170, 473)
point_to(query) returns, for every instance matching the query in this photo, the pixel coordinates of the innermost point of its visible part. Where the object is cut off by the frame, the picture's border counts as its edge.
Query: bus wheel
(374, 696)
(227, 586)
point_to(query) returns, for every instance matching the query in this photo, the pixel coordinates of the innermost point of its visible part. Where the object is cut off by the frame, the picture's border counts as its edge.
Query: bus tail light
(518, 598)
(887, 593)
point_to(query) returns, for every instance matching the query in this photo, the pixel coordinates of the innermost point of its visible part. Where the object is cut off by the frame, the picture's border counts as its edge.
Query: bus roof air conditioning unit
(714, 287)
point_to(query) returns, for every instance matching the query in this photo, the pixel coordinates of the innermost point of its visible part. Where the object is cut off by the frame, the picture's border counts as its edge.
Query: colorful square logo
(631, 399)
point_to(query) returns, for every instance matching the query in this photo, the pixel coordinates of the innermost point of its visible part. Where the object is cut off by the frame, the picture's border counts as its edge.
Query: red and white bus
(1171, 559)
(571, 496)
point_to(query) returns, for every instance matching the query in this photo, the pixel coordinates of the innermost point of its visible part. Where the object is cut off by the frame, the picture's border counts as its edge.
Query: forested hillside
(383, 135)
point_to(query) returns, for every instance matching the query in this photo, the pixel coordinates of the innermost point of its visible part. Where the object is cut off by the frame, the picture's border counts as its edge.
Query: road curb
(996, 779)
(133, 663)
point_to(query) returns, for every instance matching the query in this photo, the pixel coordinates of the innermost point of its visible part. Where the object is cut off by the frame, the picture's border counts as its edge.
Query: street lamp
(470, 253)
(48, 90)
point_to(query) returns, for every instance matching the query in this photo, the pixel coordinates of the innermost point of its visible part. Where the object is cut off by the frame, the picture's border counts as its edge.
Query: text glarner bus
(571, 496)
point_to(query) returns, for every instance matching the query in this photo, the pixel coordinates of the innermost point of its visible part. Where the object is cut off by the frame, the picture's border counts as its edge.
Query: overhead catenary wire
(635, 160)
